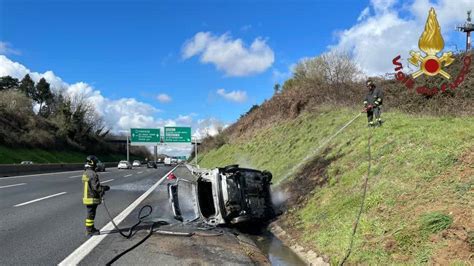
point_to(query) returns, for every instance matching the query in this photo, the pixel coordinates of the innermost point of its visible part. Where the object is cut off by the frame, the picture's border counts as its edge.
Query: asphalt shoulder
(176, 243)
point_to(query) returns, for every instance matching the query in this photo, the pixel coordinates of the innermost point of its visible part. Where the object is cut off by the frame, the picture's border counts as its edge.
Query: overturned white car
(229, 195)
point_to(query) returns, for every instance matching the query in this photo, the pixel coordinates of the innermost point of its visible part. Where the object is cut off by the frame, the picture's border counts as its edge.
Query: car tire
(231, 168)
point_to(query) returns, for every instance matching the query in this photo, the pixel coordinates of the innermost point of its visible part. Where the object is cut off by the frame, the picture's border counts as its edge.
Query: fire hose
(364, 195)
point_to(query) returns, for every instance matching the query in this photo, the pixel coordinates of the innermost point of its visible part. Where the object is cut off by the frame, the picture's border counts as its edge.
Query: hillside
(419, 204)
(422, 168)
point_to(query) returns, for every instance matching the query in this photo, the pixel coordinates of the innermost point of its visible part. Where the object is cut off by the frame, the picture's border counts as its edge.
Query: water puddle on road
(276, 251)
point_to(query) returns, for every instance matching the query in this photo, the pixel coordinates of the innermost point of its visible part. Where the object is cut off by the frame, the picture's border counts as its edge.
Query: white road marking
(14, 185)
(127, 175)
(81, 252)
(106, 181)
(74, 176)
(43, 198)
(140, 172)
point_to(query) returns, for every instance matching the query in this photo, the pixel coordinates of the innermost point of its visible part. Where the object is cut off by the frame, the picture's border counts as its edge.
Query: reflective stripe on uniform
(85, 199)
(89, 222)
(86, 187)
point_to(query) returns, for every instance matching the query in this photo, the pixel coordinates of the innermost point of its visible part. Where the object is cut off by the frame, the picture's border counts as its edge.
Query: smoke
(279, 198)
(244, 162)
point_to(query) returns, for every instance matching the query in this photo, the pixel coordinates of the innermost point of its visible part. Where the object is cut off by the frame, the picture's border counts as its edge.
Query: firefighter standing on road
(373, 103)
(93, 192)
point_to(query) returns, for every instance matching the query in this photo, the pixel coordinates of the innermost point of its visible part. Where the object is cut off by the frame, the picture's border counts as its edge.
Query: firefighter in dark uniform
(373, 103)
(93, 192)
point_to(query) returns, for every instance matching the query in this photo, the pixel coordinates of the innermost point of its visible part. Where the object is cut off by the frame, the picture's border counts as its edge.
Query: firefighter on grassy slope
(373, 103)
(93, 192)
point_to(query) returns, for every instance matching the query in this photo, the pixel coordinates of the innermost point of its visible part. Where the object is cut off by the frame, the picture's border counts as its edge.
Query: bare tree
(334, 67)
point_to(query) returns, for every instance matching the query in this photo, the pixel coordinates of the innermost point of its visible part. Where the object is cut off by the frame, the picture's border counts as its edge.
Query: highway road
(42, 216)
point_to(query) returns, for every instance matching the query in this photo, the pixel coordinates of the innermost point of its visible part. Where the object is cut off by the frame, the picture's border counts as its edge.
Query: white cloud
(230, 55)
(184, 119)
(376, 39)
(234, 96)
(5, 48)
(120, 114)
(208, 127)
(163, 98)
(365, 13)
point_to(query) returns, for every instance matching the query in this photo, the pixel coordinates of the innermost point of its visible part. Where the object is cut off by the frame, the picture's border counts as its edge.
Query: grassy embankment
(16, 155)
(419, 206)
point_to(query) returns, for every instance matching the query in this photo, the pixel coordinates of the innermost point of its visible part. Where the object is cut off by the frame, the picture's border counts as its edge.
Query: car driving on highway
(100, 167)
(136, 163)
(151, 164)
(229, 195)
(124, 165)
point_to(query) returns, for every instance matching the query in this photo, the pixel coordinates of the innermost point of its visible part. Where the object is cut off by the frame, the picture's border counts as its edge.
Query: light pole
(128, 143)
(196, 143)
(128, 150)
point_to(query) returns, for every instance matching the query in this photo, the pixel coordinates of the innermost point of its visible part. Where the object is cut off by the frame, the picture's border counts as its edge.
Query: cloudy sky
(201, 63)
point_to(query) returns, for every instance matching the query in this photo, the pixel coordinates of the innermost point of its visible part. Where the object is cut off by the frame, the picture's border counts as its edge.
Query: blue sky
(209, 60)
(133, 48)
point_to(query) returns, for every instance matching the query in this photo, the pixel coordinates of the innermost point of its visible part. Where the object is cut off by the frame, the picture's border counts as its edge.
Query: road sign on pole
(145, 136)
(177, 134)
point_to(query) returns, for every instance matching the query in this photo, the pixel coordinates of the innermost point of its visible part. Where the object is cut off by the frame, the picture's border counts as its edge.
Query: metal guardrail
(24, 169)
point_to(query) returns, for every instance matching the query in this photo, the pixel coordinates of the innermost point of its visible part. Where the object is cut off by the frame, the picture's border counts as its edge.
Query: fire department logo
(428, 62)
(431, 43)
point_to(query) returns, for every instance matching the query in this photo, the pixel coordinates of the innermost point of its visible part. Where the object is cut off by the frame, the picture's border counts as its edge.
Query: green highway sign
(144, 136)
(177, 134)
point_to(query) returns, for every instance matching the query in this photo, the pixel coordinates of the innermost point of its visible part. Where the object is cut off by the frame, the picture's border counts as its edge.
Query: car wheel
(231, 168)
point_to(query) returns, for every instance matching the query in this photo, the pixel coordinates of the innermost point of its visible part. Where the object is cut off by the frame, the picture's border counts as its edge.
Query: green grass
(435, 221)
(409, 154)
(16, 155)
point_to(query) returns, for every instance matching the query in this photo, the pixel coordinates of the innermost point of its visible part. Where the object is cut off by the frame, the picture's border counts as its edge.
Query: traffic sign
(145, 136)
(177, 134)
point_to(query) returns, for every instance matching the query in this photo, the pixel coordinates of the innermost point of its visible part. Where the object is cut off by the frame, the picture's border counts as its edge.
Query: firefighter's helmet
(370, 83)
(92, 161)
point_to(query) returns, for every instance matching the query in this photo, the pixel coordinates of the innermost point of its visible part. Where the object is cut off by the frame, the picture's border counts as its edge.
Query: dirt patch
(456, 246)
(312, 175)
(298, 191)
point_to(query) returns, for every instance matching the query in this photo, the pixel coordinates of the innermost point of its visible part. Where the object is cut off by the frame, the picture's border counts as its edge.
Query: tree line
(32, 115)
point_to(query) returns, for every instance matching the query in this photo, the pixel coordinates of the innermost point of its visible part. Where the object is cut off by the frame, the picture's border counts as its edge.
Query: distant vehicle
(26, 162)
(137, 163)
(151, 164)
(124, 165)
(167, 161)
(174, 160)
(100, 167)
(229, 195)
